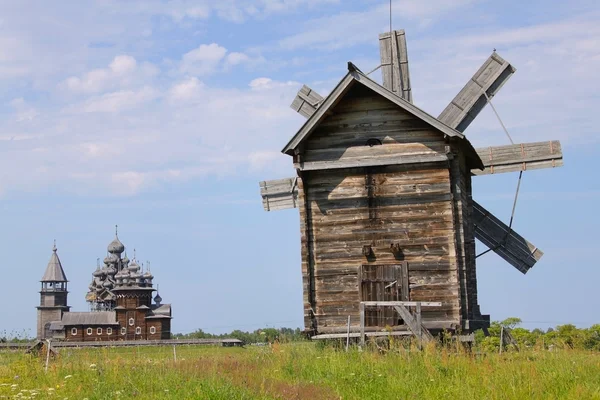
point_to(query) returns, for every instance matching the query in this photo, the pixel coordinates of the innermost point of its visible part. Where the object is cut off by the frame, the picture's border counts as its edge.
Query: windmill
(384, 192)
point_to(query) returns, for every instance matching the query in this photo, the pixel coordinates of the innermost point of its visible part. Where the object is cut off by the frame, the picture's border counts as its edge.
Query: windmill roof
(54, 270)
(355, 76)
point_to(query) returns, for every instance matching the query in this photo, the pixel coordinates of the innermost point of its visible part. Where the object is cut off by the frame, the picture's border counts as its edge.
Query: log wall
(420, 208)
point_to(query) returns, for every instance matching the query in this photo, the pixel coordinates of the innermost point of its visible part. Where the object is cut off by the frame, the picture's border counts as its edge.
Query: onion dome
(157, 299)
(133, 266)
(107, 284)
(148, 275)
(111, 270)
(98, 272)
(116, 247)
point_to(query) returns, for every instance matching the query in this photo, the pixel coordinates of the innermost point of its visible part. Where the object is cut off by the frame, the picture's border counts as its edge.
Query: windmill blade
(279, 194)
(469, 102)
(394, 63)
(306, 101)
(503, 241)
(520, 157)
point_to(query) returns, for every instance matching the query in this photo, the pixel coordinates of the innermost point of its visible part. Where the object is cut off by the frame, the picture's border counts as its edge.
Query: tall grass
(300, 371)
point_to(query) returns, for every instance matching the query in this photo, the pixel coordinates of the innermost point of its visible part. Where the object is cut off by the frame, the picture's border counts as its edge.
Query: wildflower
(68, 376)
(92, 366)
(50, 389)
(166, 390)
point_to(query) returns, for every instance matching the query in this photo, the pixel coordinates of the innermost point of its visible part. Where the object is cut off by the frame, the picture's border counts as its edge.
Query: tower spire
(54, 270)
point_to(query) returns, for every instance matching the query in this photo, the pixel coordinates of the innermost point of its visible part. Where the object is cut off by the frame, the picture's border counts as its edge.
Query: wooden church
(384, 192)
(120, 298)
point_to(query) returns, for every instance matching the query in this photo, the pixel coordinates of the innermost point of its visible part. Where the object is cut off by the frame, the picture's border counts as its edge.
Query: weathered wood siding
(409, 205)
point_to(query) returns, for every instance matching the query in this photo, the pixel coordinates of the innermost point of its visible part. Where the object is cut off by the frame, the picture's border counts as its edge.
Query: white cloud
(23, 111)
(236, 58)
(207, 59)
(122, 71)
(116, 102)
(186, 89)
(203, 60)
(123, 64)
(347, 29)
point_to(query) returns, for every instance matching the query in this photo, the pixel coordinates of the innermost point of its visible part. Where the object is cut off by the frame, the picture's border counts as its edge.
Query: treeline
(266, 335)
(561, 336)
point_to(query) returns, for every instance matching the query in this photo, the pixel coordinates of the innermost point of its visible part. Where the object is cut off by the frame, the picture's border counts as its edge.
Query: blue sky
(162, 116)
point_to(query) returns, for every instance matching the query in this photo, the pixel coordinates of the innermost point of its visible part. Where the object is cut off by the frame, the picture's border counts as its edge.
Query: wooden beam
(402, 303)
(520, 157)
(469, 102)
(505, 242)
(394, 64)
(357, 334)
(367, 161)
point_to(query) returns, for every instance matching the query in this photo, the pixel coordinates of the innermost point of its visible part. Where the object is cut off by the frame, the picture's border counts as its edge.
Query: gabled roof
(54, 270)
(355, 76)
(89, 318)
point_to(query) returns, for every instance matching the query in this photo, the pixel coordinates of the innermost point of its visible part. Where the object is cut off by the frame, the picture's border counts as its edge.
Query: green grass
(299, 371)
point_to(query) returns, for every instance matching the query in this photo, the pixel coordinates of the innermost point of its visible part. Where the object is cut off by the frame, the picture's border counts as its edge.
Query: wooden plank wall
(342, 210)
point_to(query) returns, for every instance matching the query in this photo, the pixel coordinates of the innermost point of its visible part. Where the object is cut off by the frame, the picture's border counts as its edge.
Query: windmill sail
(469, 102)
(279, 194)
(394, 64)
(503, 241)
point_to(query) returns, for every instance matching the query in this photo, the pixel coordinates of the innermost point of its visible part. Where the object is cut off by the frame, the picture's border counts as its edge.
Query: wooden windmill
(384, 193)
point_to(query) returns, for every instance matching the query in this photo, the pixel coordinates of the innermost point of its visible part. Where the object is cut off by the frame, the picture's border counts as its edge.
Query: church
(120, 298)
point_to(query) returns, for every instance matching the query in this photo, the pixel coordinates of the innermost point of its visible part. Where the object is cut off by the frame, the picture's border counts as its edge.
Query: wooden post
(174, 354)
(419, 326)
(348, 335)
(362, 324)
(501, 339)
(47, 354)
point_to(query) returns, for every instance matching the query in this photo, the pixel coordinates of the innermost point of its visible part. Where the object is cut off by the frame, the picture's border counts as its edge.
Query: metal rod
(391, 52)
(374, 69)
(498, 116)
(512, 215)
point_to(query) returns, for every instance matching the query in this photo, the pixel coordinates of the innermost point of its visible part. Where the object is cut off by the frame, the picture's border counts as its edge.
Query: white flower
(92, 365)
(68, 376)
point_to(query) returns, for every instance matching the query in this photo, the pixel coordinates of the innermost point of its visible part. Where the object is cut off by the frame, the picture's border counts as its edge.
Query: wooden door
(383, 283)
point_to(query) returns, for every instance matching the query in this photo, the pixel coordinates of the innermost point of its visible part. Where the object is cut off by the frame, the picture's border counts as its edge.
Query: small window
(89, 331)
(73, 331)
(138, 330)
(152, 330)
(123, 330)
(99, 331)
(109, 331)
(131, 321)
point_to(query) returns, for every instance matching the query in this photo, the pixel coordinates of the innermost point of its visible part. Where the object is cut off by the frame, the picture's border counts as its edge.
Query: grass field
(299, 371)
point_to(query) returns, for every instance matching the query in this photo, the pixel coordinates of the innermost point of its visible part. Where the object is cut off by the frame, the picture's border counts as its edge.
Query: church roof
(54, 270)
(89, 318)
(160, 311)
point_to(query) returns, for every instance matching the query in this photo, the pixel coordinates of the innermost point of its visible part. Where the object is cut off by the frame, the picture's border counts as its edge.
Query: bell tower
(53, 296)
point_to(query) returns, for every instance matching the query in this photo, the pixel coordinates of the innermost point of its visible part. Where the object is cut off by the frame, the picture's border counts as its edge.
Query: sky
(163, 116)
